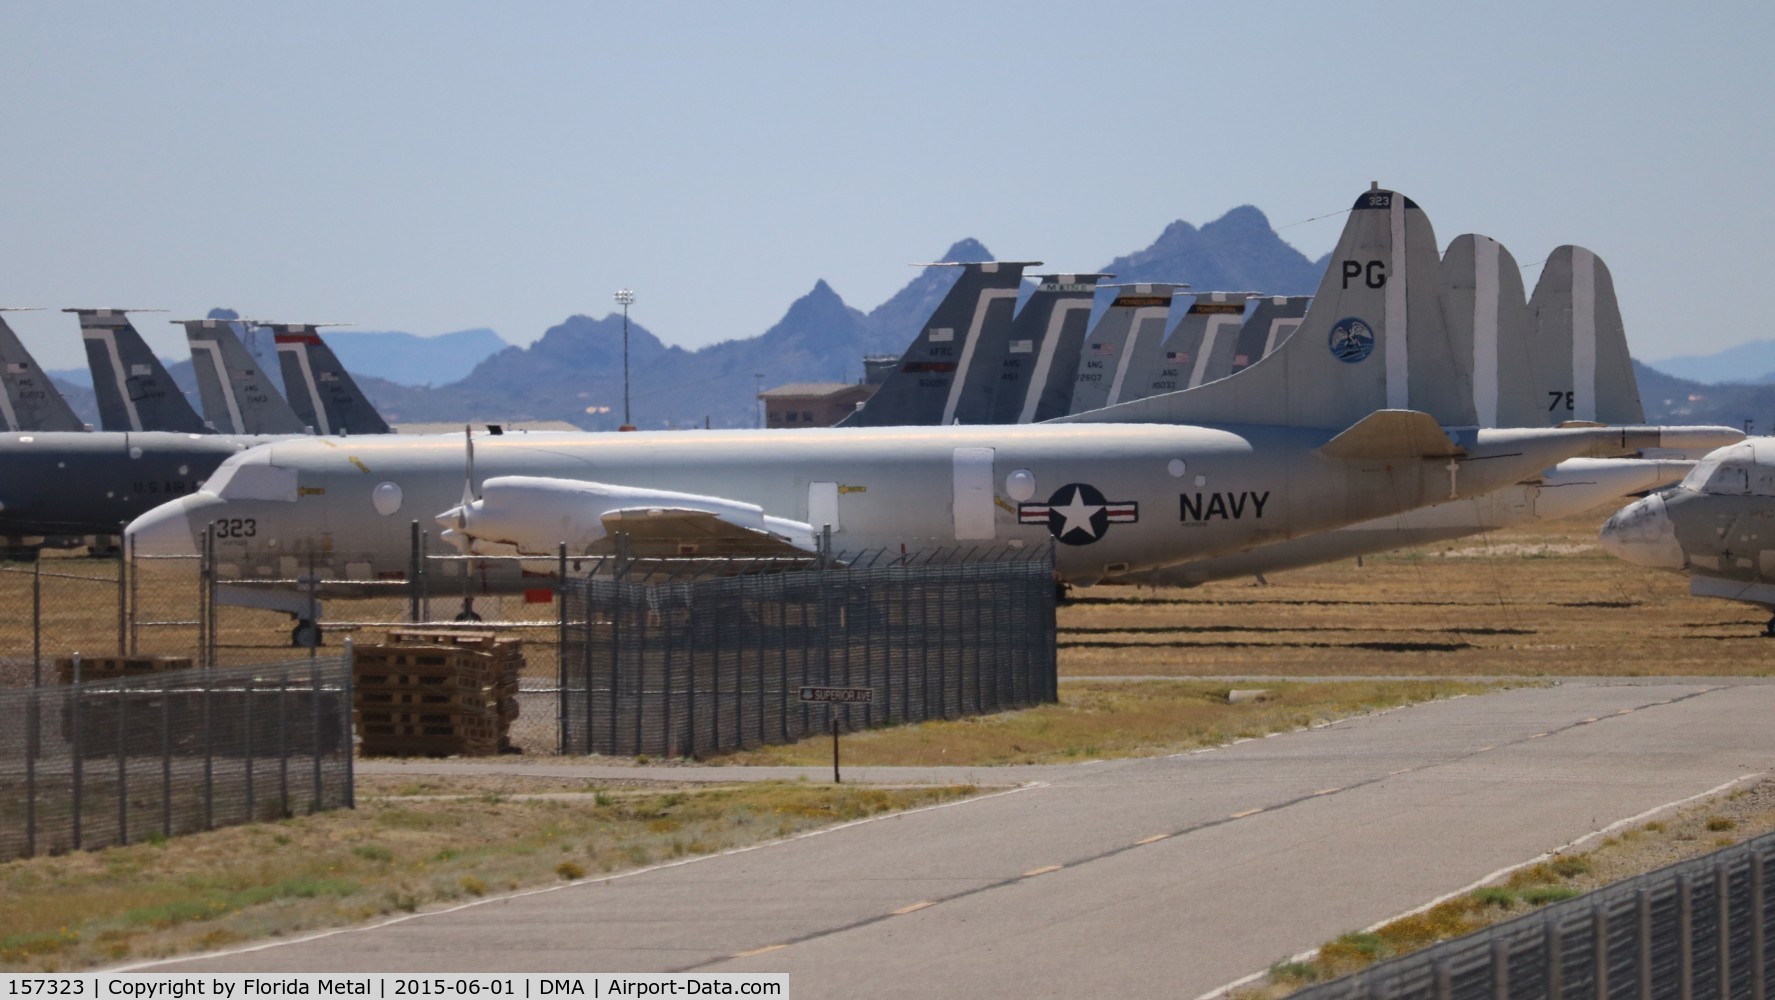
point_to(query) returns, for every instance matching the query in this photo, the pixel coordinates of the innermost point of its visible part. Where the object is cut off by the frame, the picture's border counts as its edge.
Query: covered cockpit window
(1732, 472)
(251, 476)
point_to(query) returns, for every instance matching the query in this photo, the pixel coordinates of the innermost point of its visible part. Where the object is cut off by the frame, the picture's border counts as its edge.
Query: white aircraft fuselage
(1111, 498)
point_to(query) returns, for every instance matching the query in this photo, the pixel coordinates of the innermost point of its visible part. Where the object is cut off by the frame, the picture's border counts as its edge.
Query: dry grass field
(1538, 601)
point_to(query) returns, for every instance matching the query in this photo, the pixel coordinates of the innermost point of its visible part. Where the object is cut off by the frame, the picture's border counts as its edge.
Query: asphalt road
(1167, 876)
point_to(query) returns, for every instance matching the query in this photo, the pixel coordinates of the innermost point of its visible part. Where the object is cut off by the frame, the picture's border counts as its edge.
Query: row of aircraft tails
(1421, 396)
(136, 393)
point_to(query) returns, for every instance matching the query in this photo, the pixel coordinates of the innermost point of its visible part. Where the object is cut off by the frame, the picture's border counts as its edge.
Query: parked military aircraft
(324, 395)
(1717, 526)
(28, 399)
(134, 390)
(1136, 315)
(238, 397)
(1343, 423)
(1518, 360)
(936, 364)
(1027, 368)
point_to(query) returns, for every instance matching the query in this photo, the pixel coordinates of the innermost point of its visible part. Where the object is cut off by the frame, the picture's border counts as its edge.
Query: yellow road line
(1328, 791)
(1042, 871)
(759, 951)
(1248, 812)
(914, 908)
(1155, 838)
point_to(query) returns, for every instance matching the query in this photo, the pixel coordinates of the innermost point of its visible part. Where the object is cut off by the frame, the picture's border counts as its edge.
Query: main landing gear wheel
(306, 635)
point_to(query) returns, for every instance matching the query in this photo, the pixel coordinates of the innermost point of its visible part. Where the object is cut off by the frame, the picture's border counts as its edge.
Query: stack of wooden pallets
(437, 693)
(110, 668)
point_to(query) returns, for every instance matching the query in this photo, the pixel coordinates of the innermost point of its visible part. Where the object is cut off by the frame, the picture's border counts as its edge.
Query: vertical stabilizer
(237, 394)
(1489, 321)
(1581, 343)
(1372, 339)
(1136, 317)
(925, 389)
(1269, 321)
(1013, 369)
(321, 391)
(134, 391)
(29, 400)
(1203, 337)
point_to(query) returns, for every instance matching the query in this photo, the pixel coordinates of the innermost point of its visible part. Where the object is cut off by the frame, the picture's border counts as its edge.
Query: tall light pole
(626, 297)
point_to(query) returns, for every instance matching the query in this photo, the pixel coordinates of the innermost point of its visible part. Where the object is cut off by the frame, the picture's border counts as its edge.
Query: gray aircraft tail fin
(238, 397)
(1134, 319)
(1027, 368)
(134, 390)
(28, 399)
(321, 391)
(1373, 339)
(1489, 321)
(1269, 321)
(926, 387)
(1199, 348)
(1580, 348)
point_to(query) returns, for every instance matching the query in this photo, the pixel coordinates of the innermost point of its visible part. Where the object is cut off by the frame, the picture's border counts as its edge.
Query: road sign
(860, 696)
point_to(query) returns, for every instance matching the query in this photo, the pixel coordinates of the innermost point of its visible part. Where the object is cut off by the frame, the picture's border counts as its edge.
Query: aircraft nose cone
(164, 531)
(1642, 533)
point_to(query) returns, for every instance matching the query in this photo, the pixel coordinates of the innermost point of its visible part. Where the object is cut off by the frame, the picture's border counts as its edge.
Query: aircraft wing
(534, 515)
(660, 532)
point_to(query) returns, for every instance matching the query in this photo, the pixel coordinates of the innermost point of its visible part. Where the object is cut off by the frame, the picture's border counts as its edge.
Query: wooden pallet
(109, 668)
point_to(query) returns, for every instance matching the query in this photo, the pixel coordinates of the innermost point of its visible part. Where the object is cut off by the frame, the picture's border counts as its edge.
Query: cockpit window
(1732, 472)
(236, 479)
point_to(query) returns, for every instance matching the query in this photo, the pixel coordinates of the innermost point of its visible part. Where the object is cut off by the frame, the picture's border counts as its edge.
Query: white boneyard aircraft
(1343, 423)
(1534, 363)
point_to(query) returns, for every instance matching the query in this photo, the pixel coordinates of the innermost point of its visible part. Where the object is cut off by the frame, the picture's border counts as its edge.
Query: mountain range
(573, 373)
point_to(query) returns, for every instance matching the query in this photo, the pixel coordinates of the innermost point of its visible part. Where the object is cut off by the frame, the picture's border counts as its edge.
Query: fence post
(122, 592)
(247, 699)
(413, 561)
(203, 592)
(316, 697)
(1599, 952)
(122, 695)
(166, 756)
(33, 722)
(37, 620)
(560, 645)
(1642, 900)
(347, 684)
(1723, 921)
(1444, 989)
(283, 742)
(1552, 950)
(134, 611)
(1685, 936)
(1500, 968)
(209, 748)
(1758, 928)
(76, 706)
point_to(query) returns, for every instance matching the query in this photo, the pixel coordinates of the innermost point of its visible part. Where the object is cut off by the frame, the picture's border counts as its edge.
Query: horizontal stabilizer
(1393, 434)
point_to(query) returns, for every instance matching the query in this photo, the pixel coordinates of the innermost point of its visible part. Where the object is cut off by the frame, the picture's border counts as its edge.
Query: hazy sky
(432, 166)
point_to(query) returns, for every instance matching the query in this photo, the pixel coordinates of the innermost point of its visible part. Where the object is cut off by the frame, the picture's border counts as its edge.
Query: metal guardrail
(1698, 928)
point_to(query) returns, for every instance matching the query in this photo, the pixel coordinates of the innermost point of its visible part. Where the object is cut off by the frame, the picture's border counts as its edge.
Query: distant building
(812, 404)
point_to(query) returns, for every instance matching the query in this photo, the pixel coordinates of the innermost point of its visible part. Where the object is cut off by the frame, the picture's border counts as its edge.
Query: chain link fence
(1699, 928)
(95, 763)
(678, 667)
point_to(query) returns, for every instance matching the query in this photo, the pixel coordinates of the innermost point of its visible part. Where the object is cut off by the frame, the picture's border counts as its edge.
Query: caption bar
(381, 985)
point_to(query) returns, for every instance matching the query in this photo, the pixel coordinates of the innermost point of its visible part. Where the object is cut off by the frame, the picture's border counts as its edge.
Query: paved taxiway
(1141, 877)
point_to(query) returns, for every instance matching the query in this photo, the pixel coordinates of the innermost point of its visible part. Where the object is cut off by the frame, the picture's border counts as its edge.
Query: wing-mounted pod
(28, 399)
(926, 388)
(134, 390)
(238, 397)
(533, 515)
(1135, 317)
(321, 391)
